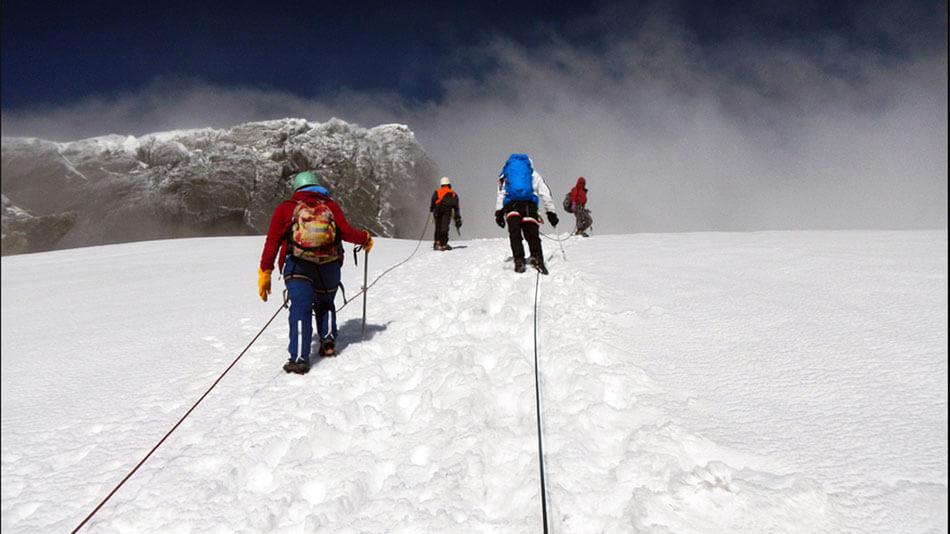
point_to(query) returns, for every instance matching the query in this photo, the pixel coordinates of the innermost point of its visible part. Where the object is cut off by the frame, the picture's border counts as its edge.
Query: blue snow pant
(311, 288)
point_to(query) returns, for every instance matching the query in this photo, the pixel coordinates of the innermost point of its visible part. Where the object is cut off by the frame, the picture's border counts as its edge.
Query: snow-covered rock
(206, 182)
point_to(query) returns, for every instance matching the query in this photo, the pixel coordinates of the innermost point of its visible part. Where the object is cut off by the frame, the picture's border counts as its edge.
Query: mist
(672, 132)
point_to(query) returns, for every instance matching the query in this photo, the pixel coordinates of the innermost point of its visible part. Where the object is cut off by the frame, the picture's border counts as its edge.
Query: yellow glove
(263, 283)
(369, 242)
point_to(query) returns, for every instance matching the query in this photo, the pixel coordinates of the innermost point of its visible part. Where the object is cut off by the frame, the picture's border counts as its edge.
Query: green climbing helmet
(304, 179)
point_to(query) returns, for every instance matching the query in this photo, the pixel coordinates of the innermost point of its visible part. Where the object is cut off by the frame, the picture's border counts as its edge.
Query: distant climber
(445, 207)
(578, 200)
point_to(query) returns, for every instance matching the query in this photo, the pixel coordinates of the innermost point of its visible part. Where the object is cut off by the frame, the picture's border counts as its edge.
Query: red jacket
(280, 222)
(579, 193)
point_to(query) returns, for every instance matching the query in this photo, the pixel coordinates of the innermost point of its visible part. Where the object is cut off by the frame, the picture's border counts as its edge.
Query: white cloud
(670, 136)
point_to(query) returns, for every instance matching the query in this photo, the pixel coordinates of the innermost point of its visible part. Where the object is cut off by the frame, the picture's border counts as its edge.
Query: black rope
(384, 273)
(157, 445)
(537, 397)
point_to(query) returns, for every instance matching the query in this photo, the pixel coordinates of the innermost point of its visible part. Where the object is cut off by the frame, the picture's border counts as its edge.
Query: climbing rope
(384, 273)
(233, 363)
(558, 238)
(537, 398)
(157, 445)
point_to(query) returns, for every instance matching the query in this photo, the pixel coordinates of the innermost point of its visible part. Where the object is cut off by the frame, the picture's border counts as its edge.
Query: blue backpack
(518, 179)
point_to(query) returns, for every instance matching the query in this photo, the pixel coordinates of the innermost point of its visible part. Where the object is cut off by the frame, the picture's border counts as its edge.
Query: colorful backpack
(313, 232)
(518, 179)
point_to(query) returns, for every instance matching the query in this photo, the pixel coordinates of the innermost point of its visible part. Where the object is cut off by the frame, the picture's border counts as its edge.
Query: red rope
(286, 298)
(157, 445)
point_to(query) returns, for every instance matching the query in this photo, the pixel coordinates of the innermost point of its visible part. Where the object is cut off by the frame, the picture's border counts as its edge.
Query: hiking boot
(328, 347)
(519, 266)
(435, 246)
(300, 368)
(446, 247)
(538, 263)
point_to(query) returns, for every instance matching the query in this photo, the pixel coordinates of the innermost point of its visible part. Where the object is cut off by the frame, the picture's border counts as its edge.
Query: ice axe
(356, 249)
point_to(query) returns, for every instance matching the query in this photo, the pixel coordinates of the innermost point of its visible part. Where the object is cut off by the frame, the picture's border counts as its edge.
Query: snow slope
(705, 382)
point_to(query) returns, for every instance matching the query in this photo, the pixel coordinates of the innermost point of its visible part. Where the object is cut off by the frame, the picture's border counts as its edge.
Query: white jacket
(540, 190)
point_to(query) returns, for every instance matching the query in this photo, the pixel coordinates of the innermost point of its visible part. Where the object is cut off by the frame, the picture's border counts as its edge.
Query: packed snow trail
(690, 383)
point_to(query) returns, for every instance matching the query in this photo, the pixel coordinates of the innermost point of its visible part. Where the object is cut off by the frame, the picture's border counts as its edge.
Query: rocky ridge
(206, 182)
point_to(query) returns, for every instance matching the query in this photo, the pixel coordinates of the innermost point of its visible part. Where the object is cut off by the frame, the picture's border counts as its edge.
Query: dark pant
(442, 219)
(312, 289)
(522, 219)
(582, 219)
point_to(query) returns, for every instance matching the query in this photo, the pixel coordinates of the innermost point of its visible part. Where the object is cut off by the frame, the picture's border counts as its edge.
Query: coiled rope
(233, 363)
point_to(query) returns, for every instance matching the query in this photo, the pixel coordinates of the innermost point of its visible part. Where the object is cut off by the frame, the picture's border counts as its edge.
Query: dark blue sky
(57, 53)
(682, 114)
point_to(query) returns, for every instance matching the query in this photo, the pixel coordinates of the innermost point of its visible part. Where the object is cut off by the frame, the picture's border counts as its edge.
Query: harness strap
(524, 218)
(318, 290)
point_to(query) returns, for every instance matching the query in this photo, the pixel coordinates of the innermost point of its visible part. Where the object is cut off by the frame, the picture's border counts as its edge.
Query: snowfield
(698, 382)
